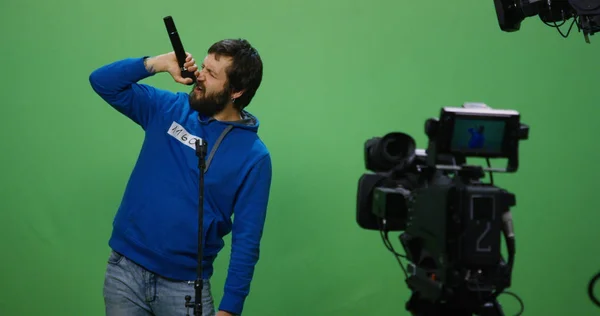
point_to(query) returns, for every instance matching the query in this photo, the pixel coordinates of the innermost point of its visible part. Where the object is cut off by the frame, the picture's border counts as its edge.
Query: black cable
(518, 299)
(491, 174)
(386, 241)
(557, 26)
(388, 244)
(591, 289)
(397, 256)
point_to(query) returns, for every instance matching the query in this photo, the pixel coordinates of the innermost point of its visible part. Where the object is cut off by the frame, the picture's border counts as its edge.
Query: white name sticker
(183, 136)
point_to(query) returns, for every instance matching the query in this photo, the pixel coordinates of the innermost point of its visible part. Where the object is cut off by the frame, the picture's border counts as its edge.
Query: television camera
(585, 13)
(451, 220)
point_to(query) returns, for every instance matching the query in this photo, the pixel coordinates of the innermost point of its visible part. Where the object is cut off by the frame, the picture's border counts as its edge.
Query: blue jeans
(131, 290)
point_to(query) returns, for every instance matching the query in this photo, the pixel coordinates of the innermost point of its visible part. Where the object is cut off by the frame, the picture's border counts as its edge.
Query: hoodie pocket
(211, 242)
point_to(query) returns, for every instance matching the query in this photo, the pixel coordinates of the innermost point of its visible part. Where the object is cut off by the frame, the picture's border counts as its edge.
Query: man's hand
(168, 63)
(222, 313)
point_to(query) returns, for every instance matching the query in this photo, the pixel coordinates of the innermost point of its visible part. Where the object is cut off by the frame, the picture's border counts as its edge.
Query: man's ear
(237, 94)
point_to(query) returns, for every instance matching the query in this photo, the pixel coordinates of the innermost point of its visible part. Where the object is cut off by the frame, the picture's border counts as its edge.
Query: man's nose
(201, 75)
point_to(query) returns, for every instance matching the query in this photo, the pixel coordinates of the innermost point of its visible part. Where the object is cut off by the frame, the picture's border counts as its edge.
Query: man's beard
(208, 104)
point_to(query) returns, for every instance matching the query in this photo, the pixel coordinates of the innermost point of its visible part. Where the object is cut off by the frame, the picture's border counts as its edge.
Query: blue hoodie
(156, 223)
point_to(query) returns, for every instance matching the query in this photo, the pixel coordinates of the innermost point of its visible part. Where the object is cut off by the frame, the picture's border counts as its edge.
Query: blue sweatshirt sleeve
(249, 217)
(116, 83)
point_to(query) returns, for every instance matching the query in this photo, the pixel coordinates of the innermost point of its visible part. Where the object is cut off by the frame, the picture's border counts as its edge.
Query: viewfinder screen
(477, 136)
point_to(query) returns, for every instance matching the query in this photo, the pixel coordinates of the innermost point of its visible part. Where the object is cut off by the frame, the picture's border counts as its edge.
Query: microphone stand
(197, 304)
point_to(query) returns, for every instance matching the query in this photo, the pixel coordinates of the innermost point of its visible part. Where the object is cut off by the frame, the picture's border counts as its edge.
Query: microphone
(178, 48)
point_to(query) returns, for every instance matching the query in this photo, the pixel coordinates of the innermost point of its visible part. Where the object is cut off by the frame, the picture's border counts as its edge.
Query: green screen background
(336, 73)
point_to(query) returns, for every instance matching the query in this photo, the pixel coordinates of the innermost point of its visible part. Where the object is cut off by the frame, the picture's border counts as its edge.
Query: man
(152, 265)
(477, 139)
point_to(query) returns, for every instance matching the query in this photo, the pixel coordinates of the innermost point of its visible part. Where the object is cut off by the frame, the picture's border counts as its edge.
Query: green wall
(350, 69)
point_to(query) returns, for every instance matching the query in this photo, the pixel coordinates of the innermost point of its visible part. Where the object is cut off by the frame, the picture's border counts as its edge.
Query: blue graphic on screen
(484, 136)
(477, 137)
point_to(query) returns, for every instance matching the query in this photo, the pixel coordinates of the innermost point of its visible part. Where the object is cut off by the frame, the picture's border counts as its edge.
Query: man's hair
(245, 71)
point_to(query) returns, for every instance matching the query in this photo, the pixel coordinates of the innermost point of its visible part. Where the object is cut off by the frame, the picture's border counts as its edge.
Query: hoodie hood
(248, 121)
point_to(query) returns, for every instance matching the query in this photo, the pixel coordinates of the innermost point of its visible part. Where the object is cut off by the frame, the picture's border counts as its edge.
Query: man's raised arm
(117, 84)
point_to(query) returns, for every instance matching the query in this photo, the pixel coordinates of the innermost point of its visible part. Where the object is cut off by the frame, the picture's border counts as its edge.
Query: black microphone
(178, 48)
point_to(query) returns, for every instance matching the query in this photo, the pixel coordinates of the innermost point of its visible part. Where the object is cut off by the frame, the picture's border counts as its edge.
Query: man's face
(210, 94)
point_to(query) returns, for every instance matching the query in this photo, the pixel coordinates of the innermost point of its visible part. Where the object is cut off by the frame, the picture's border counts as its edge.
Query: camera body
(451, 222)
(586, 13)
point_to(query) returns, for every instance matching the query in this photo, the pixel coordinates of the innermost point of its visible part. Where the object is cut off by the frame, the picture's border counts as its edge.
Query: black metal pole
(197, 304)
